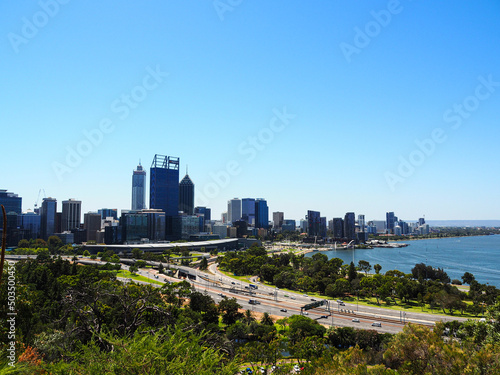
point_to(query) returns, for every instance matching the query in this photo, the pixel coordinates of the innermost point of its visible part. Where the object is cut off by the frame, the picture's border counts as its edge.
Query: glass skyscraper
(313, 223)
(48, 213)
(12, 203)
(248, 210)
(139, 188)
(164, 185)
(350, 226)
(186, 195)
(261, 213)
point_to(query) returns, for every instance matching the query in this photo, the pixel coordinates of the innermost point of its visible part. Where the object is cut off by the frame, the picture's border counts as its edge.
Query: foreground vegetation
(75, 319)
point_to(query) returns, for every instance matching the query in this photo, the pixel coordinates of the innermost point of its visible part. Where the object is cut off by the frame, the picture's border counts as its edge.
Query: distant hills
(463, 223)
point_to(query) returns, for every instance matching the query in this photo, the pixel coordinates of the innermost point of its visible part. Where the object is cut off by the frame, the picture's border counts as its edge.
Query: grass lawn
(129, 275)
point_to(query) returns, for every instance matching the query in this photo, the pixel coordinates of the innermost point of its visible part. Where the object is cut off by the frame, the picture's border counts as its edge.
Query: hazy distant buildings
(261, 214)
(233, 210)
(248, 210)
(186, 195)
(139, 188)
(48, 217)
(71, 215)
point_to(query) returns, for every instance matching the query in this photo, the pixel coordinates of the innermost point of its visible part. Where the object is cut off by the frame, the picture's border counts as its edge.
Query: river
(479, 255)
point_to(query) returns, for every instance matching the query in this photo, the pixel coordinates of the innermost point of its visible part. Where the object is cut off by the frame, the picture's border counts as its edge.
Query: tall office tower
(248, 210)
(261, 213)
(108, 212)
(389, 222)
(322, 226)
(278, 219)
(48, 213)
(361, 222)
(71, 214)
(350, 226)
(421, 221)
(205, 211)
(233, 210)
(288, 225)
(303, 225)
(186, 195)
(92, 223)
(338, 227)
(164, 185)
(139, 188)
(313, 223)
(30, 222)
(12, 203)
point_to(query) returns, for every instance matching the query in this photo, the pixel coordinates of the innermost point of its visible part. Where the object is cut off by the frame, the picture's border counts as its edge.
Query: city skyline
(336, 106)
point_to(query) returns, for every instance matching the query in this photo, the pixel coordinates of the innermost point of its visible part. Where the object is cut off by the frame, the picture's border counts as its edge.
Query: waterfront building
(261, 213)
(322, 226)
(71, 215)
(313, 223)
(338, 227)
(139, 188)
(361, 223)
(186, 195)
(390, 220)
(350, 226)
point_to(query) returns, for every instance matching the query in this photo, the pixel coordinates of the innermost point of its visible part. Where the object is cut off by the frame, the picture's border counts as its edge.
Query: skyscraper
(48, 213)
(389, 220)
(248, 210)
(338, 227)
(350, 226)
(12, 203)
(233, 210)
(139, 188)
(71, 214)
(186, 195)
(361, 222)
(278, 219)
(261, 213)
(92, 224)
(313, 223)
(164, 185)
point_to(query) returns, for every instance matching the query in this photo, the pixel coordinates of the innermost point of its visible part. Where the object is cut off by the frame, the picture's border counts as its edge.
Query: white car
(355, 320)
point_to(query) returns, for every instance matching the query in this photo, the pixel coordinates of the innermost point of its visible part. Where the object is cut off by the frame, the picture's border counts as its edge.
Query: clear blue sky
(363, 82)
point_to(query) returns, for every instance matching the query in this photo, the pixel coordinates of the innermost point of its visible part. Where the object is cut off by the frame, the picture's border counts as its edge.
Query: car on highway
(376, 324)
(292, 297)
(232, 282)
(312, 299)
(355, 320)
(296, 368)
(284, 310)
(305, 313)
(341, 304)
(305, 295)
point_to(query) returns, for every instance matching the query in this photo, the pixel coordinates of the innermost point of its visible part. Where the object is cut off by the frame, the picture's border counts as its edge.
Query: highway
(274, 301)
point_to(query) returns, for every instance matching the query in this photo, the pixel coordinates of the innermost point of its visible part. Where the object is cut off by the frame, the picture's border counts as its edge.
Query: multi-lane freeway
(284, 303)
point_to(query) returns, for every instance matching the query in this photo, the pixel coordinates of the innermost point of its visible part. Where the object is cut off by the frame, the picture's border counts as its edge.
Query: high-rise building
(313, 223)
(389, 221)
(261, 213)
(278, 220)
(361, 223)
(186, 195)
(233, 210)
(338, 227)
(350, 226)
(13, 205)
(48, 217)
(71, 215)
(139, 188)
(205, 211)
(288, 225)
(164, 185)
(92, 224)
(30, 223)
(248, 210)
(108, 212)
(322, 226)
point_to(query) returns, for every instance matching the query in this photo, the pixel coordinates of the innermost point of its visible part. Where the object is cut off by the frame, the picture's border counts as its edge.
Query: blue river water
(479, 255)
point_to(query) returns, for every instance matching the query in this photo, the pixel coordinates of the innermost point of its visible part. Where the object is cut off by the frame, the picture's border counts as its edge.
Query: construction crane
(38, 199)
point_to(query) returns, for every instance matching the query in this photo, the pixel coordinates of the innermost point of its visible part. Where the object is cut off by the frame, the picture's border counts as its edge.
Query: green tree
(86, 253)
(364, 266)
(352, 274)
(23, 244)
(203, 264)
(228, 307)
(54, 244)
(377, 267)
(137, 253)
